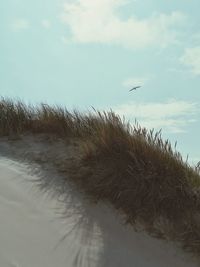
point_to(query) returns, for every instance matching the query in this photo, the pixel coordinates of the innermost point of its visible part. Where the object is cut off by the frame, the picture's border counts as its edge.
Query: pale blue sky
(83, 53)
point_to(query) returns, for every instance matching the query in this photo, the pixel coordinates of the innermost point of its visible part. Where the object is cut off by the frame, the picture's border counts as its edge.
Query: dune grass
(134, 169)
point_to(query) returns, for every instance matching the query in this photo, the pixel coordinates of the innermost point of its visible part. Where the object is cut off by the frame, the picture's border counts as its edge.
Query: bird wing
(134, 88)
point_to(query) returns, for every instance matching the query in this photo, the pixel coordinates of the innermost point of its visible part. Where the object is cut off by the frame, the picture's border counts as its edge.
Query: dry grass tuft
(132, 168)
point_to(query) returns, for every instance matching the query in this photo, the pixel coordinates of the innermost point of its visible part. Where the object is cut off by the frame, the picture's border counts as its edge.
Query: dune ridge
(109, 160)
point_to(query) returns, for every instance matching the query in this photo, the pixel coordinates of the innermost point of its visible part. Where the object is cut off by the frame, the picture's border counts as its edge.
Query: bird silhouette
(134, 88)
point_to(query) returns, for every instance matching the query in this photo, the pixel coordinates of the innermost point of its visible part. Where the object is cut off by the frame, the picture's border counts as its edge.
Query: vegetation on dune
(132, 168)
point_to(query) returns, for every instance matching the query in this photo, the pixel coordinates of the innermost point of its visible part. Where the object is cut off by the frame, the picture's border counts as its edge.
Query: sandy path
(31, 231)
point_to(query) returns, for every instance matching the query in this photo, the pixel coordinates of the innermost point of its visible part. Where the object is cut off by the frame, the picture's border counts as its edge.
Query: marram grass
(135, 170)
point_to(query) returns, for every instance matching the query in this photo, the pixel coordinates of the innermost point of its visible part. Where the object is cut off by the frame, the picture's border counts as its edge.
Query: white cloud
(20, 24)
(173, 116)
(97, 21)
(135, 81)
(46, 23)
(191, 58)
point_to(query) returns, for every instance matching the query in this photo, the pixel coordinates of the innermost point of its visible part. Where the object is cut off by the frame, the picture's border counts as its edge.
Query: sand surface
(35, 233)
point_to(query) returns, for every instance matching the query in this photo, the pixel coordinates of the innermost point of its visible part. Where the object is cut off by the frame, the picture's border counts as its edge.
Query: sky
(83, 53)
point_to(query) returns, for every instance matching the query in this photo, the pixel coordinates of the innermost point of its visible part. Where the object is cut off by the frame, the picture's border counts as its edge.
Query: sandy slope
(33, 234)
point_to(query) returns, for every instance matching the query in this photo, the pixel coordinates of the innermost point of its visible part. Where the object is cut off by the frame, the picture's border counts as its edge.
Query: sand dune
(35, 233)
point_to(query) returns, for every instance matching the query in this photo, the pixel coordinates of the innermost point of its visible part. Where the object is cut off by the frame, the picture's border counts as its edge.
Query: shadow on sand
(96, 236)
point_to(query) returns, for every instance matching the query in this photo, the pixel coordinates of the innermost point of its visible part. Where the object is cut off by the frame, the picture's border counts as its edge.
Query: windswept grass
(137, 171)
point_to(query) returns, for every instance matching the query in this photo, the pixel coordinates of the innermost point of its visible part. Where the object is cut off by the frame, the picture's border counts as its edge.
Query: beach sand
(38, 229)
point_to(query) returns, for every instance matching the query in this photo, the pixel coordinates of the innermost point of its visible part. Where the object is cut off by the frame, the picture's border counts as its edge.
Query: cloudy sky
(83, 53)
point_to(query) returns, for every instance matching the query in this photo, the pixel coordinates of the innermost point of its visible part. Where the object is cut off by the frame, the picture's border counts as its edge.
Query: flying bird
(134, 88)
